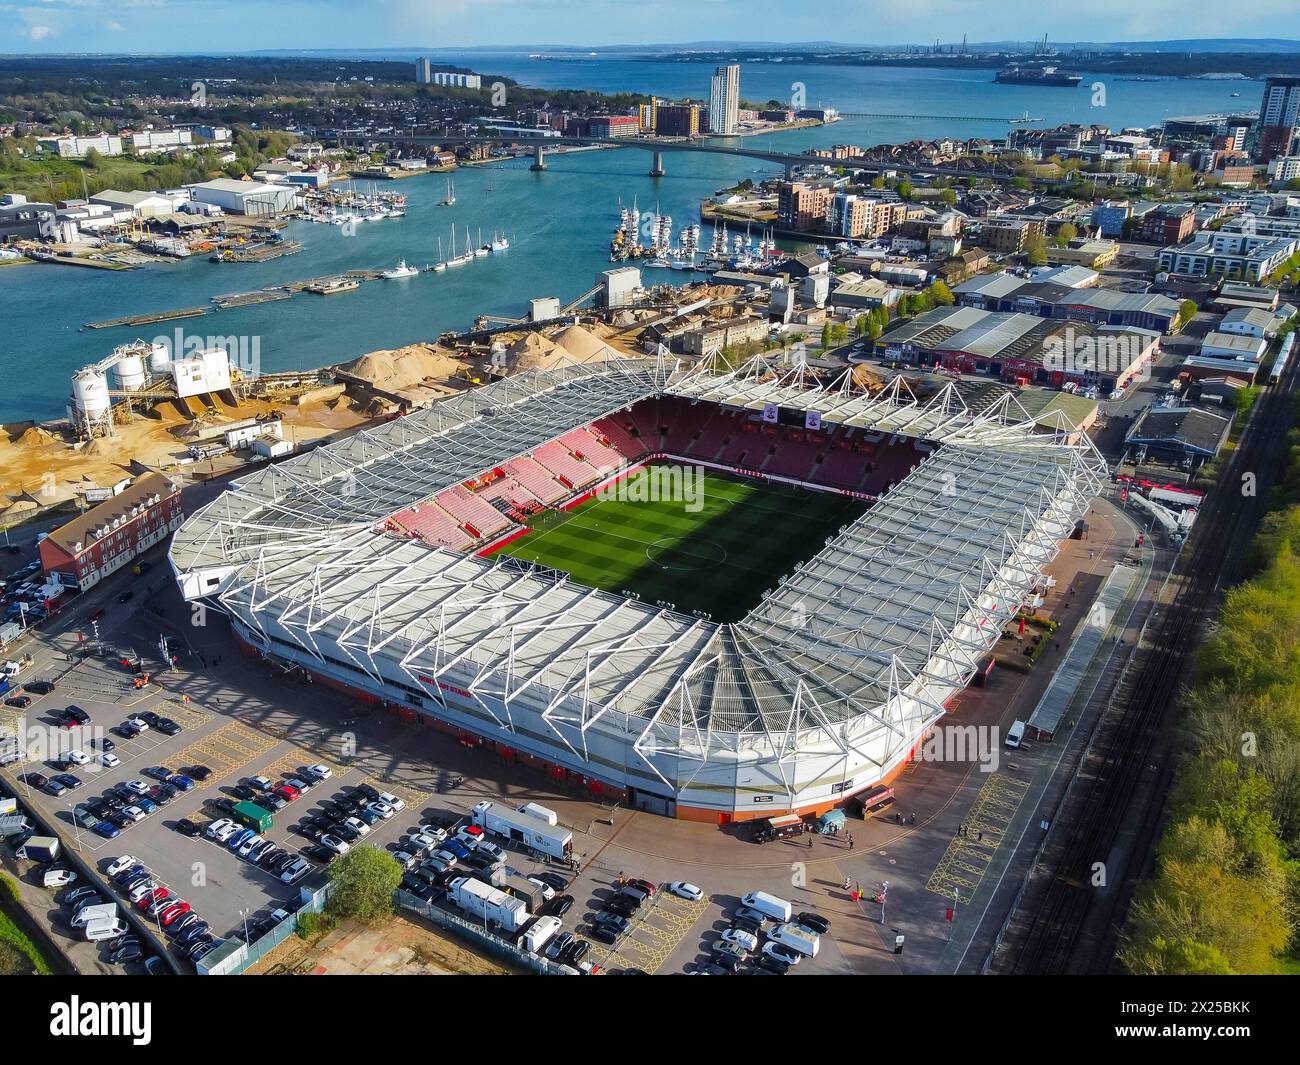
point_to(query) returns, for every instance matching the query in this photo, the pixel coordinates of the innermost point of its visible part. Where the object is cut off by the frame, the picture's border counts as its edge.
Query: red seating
(536, 479)
(557, 458)
(478, 516)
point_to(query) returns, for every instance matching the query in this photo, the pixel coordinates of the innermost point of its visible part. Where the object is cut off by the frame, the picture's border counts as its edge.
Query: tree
(826, 335)
(93, 158)
(1186, 312)
(1035, 249)
(904, 190)
(364, 881)
(1066, 233)
(949, 197)
(941, 294)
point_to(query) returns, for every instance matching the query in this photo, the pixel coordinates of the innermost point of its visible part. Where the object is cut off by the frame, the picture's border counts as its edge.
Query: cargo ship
(1038, 76)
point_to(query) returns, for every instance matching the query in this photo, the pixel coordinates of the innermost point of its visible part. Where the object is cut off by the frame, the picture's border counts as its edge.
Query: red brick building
(107, 537)
(1170, 223)
(614, 126)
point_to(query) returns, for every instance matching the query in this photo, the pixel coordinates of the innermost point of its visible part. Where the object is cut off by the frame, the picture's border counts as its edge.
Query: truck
(782, 827)
(9, 632)
(512, 883)
(89, 915)
(13, 825)
(539, 933)
(486, 903)
(553, 840)
(15, 666)
(9, 750)
(250, 815)
(39, 849)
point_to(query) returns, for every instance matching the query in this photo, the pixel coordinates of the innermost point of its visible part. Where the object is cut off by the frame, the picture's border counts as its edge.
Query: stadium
(775, 633)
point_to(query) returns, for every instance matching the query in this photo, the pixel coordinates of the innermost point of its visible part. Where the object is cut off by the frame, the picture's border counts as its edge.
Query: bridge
(659, 147)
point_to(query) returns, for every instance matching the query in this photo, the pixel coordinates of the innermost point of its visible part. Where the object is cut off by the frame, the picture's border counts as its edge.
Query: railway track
(1066, 924)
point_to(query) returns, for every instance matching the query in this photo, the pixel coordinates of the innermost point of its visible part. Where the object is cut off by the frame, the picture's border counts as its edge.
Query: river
(559, 222)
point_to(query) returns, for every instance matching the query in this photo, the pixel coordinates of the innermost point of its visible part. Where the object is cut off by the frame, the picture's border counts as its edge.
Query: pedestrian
(980, 837)
(913, 819)
(810, 842)
(850, 843)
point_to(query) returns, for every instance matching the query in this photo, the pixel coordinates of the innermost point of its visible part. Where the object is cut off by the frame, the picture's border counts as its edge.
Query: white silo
(129, 368)
(160, 358)
(91, 406)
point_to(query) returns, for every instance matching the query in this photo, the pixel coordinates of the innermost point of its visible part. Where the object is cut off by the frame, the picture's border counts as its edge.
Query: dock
(247, 299)
(148, 319)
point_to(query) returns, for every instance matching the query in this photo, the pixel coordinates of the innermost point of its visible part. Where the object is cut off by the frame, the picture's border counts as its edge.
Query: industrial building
(821, 691)
(105, 538)
(1180, 435)
(244, 197)
(1023, 348)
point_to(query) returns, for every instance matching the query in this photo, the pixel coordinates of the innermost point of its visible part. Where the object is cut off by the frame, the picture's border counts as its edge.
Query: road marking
(963, 865)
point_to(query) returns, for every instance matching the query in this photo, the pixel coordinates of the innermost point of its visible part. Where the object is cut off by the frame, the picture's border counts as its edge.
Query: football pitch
(716, 547)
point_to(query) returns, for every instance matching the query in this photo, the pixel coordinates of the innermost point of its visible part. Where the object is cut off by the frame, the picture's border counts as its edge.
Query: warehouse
(244, 197)
(1022, 348)
(1182, 435)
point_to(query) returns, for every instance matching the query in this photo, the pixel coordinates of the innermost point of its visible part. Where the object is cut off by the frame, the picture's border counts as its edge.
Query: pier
(147, 319)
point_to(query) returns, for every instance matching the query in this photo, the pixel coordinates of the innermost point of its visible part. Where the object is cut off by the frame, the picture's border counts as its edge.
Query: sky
(62, 26)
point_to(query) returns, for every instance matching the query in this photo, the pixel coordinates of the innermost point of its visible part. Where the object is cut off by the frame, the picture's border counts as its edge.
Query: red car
(287, 792)
(153, 898)
(172, 912)
(644, 885)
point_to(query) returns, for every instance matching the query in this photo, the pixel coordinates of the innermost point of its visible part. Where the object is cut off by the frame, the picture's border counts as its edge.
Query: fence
(477, 934)
(236, 956)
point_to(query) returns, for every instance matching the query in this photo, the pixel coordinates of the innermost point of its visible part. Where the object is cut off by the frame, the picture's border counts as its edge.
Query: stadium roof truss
(855, 652)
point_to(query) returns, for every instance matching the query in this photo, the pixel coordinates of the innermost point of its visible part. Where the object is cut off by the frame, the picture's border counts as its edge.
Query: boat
(399, 271)
(458, 260)
(482, 249)
(334, 286)
(450, 201)
(500, 243)
(1038, 75)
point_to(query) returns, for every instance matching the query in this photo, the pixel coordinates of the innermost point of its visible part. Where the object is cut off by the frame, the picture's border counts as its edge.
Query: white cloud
(39, 33)
(114, 25)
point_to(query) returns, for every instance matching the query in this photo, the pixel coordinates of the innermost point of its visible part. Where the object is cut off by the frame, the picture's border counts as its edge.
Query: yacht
(450, 201)
(399, 271)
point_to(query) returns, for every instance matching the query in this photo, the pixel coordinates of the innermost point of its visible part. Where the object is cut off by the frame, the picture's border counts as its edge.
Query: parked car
(684, 890)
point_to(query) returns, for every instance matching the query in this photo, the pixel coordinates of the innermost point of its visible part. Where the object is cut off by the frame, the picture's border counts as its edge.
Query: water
(559, 222)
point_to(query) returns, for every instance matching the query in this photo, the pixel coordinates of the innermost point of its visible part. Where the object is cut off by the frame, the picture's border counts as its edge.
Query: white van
(777, 909)
(84, 918)
(797, 939)
(100, 930)
(1015, 734)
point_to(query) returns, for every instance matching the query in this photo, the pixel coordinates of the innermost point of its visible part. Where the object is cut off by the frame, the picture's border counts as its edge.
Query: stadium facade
(822, 690)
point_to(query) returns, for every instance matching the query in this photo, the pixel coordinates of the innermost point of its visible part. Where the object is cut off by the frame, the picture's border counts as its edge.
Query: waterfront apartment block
(1279, 117)
(724, 100)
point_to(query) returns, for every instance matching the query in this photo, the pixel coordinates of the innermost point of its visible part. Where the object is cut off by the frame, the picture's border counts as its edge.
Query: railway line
(1064, 923)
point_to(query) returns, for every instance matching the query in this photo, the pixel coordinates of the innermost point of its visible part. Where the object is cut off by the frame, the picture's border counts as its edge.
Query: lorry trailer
(485, 902)
(533, 832)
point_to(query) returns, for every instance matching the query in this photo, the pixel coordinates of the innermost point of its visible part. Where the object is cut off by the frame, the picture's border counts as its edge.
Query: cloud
(39, 33)
(114, 25)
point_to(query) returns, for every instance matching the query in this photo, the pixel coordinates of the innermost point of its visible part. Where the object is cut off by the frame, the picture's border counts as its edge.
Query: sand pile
(404, 368)
(36, 436)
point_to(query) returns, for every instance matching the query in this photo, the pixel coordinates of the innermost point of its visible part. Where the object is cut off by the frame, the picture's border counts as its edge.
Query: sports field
(715, 546)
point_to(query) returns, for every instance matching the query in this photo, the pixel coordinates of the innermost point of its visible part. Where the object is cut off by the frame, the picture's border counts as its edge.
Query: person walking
(850, 843)
(913, 820)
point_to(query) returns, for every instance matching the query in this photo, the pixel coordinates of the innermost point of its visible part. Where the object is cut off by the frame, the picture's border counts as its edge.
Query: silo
(160, 359)
(91, 405)
(129, 368)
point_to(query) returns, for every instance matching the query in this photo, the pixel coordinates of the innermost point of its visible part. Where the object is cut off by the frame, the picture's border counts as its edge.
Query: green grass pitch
(719, 558)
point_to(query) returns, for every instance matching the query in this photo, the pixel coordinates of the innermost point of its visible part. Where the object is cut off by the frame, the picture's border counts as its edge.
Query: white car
(434, 831)
(248, 845)
(683, 890)
(295, 871)
(145, 887)
(138, 786)
(134, 814)
(77, 757)
(423, 841)
(382, 809)
(222, 830)
(118, 864)
(392, 800)
(358, 826)
(320, 772)
(780, 953)
(109, 760)
(548, 892)
(741, 938)
(338, 846)
(138, 723)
